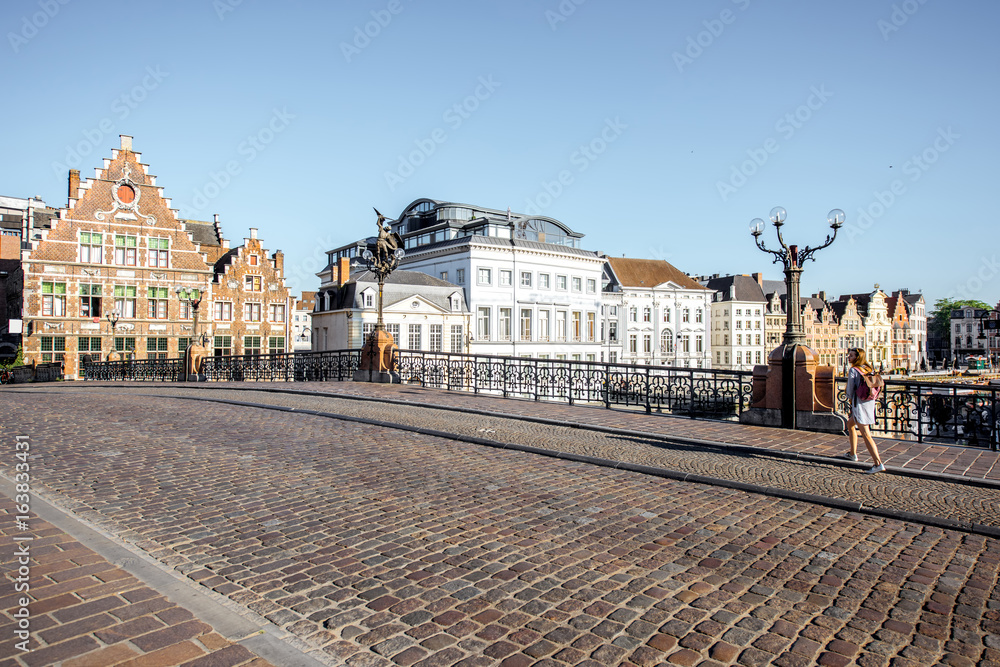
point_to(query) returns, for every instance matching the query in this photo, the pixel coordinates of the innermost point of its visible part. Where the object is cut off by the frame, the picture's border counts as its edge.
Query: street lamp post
(381, 255)
(192, 296)
(792, 258)
(113, 316)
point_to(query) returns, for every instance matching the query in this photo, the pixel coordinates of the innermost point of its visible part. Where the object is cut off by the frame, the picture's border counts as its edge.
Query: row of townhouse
(519, 285)
(515, 285)
(975, 332)
(116, 256)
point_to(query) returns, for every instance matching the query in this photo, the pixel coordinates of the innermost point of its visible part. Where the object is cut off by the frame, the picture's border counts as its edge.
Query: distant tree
(940, 318)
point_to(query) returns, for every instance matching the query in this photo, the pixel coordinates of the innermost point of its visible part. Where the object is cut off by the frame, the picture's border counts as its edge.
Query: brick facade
(119, 245)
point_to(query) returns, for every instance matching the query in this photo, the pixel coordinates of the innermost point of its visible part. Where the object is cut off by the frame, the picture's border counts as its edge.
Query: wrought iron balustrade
(164, 370)
(965, 414)
(694, 392)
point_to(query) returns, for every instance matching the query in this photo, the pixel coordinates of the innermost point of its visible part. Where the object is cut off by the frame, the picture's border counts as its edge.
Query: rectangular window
(436, 334)
(457, 334)
(125, 250)
(544, 281)
(90, 300)
(577, 284)
(647, 344)
(666, 315)
(591, 326)
(577, 326)
(53, 299)
(460, 276)
(698, 347)
(561, 283)
(505, 278)
(252, 283)
(186, 310)
(251, 345)
(697, 315)
(413, 332)
(444, 276)
(686, 315)
(504, 324)
(647, 314)
(125, 344)
(91, 250)
(253, 260)
(156, 348)
(739, 357)
(182, 345)
(158, 253)
(485, 276)
(88, 344)
(544, 330)
(591, 286)
(561, 325)
(276, 312)
(525, 324)
(223, 311)
(223, 346)
(251, 312)
(275, 344)
(53, 348)
(393, 330)
(125, 296)
(157, 303)
(612, 331)
(633, 344)
(613, 357)
(483, 324)
(686, 344)
(525, 278)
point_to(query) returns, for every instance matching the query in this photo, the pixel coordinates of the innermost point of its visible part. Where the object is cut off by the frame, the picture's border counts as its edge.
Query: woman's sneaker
(848, 457)
(878, 468)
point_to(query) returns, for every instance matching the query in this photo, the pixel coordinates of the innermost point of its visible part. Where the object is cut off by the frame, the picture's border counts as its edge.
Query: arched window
(667, 342)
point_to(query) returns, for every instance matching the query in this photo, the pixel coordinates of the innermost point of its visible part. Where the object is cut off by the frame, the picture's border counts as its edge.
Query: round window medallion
(126, 194)
(415, 305)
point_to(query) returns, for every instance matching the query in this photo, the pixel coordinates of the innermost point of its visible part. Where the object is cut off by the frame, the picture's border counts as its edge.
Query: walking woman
(862, 412)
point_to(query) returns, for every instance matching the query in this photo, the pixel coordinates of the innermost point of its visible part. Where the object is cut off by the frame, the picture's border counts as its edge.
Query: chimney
(343, 270)
(126, 142)
(279, 263)
(759, 277)
(822, 295)
(74, 182)
(253, 232)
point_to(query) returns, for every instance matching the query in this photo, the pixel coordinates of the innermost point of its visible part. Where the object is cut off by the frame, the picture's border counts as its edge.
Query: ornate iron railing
(935, 412)
(688, 391)
(163, 370)
(331, 365)
(922, 411)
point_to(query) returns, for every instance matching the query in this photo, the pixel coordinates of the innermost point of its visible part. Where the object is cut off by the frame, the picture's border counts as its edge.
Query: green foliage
(18, 360)
(940, 318)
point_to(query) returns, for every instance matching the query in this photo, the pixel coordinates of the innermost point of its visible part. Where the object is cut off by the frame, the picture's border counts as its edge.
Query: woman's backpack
(871, 386)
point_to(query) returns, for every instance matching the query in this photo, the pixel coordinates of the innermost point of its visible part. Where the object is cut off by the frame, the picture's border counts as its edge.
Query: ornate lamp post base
(793, 390)
(793, 373)
(377, 359)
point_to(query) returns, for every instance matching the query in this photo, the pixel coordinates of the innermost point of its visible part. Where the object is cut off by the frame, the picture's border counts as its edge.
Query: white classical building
(420, 311)
(531, 291)
(654, 314)
(738, 333)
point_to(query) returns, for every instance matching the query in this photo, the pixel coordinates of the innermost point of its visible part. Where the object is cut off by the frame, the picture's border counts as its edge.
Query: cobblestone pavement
(389, 547)
(933, 497)
(84, 611)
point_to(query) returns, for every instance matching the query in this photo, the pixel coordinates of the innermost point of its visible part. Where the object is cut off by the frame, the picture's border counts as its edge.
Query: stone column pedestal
(815, 400)
(378, 359)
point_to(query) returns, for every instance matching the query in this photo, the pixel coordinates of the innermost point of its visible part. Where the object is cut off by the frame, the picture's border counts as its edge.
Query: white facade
(655, 315)
(302, 336)
(420, 312)
(526, 299)
(738, 340)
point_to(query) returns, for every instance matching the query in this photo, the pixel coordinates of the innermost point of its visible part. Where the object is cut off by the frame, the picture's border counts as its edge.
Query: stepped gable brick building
(250, 304)
(119, 248)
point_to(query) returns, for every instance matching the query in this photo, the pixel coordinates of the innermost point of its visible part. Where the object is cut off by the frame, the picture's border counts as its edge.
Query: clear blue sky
(696, 118)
